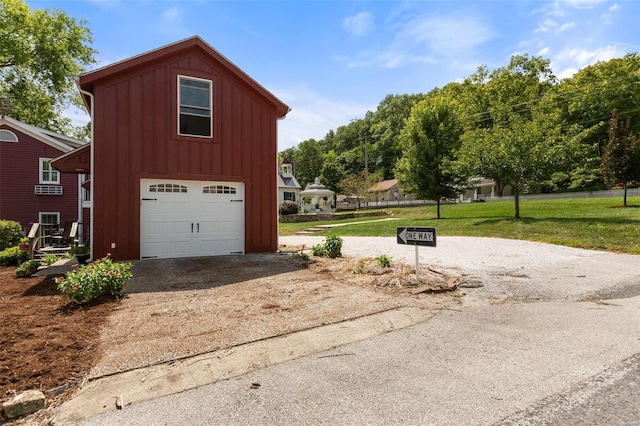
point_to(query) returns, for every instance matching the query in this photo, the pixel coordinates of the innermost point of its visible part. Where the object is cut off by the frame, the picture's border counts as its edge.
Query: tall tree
(307, 161)
(515, 141)
(358, 185)
(621, 154)
(41, 52)
(386, 124)
(429, 141)
(587, 99)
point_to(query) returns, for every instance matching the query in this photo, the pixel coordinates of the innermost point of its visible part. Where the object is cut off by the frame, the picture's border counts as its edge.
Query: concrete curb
(101, 395)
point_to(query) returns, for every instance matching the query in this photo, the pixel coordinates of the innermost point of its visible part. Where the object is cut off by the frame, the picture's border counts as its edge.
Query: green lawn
(592, 223)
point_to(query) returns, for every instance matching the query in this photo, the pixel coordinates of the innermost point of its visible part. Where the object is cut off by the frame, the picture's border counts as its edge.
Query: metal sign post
(416, 236)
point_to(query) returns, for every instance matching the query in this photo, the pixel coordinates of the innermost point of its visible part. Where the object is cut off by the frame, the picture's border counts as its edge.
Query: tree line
(518, 125)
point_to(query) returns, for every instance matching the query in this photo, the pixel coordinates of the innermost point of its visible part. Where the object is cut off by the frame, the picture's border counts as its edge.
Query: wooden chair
(68, 235)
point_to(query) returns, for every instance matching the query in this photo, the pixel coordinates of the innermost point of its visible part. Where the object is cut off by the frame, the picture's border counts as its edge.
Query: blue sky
(332, 60)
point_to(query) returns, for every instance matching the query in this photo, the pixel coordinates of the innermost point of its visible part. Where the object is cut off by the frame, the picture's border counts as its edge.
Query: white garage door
(190, 218)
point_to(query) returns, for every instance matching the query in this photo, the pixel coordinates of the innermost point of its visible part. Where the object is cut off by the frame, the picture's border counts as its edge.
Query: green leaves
(41, 52)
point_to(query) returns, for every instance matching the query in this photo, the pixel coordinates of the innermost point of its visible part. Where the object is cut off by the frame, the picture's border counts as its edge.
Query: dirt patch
(46, 343)
(178, 308)
(185, 307)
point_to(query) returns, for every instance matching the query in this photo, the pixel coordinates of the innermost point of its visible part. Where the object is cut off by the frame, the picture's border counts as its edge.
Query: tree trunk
(516, 199)
(625, 194)
(438, 209)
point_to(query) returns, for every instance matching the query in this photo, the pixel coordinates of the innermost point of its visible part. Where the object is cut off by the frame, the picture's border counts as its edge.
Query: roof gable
(53, 139)
(87, 80)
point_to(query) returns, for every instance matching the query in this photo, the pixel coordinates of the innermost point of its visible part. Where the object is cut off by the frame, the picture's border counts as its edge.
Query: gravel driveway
(510, 270)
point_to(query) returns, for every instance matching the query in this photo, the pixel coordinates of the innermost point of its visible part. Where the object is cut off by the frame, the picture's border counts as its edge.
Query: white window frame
(50, 170)
(56, 214)
(210, 110)
(7, 136)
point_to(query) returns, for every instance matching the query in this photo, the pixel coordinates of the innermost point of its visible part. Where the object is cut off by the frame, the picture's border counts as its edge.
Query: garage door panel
(214, 209)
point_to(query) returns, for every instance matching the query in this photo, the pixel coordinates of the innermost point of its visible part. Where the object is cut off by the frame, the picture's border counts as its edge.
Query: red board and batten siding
(20, 173)
(135, 119)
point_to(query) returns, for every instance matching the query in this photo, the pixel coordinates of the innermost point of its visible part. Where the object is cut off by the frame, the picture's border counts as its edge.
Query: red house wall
(135, 118)
(19, 173)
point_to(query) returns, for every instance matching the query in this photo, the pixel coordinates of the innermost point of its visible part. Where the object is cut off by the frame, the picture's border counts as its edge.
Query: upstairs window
(8, 136)
(47, 173)
(194, 114)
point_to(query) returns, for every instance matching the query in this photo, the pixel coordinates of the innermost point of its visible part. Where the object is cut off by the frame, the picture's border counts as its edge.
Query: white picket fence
(631, 192)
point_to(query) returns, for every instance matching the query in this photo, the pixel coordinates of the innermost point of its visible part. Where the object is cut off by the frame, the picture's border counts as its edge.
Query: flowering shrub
(86, 282)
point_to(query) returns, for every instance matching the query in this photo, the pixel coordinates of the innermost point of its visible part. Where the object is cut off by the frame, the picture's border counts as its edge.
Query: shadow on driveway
(197, 273)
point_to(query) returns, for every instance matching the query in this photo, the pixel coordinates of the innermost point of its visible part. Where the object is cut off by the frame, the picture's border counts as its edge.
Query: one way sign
(416, 236)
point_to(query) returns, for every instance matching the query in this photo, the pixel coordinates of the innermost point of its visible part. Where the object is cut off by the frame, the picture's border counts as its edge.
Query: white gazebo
(316, 197)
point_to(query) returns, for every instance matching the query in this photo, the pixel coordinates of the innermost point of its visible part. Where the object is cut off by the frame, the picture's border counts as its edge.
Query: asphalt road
(552, 337)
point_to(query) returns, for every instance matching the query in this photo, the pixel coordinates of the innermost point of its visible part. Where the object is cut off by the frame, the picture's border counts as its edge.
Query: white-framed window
(218, 189)
(167, 187)
(50, 222)
(7, 136)
(47, 173)
(289, 196)
(195, 116)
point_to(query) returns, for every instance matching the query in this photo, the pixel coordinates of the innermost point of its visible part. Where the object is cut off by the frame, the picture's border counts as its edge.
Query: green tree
(515, 140)
(307, 161)
(430, 140)
(621, 155)
(358, 185)
(41, 52)
(386, 124)
(587, 99)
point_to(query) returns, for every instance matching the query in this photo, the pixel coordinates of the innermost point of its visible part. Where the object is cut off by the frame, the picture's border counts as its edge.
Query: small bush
(359, 267)
(86, 282)
(288, 207)
(13, 256)
(319, 250)
(50, 259)
(384, 261)
(10, 233)
(331, 247)
(27, 268)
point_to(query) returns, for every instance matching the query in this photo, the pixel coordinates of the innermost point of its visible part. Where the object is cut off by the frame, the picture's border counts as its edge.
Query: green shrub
(319, 250)
(27, 268)
(359, 267)
(288, 207)
(50, 259)
(331, 247)
(86, 282)
(79, 250)
(10, 233)
(12, 256)
(384, 261)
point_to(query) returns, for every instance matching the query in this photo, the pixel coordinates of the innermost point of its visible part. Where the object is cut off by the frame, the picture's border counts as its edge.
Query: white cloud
(358, 24)
(427, 39)
(614, 7)
(546, 26)
(171, 15)
(312, 116)
(569, 61)
(566, 26)
(543, 51)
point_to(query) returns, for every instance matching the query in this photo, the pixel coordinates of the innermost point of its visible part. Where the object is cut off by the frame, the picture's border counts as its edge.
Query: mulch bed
(46, 342)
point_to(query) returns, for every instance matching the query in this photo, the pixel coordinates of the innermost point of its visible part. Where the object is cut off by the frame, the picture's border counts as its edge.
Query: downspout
(91, 168)
(81, 231)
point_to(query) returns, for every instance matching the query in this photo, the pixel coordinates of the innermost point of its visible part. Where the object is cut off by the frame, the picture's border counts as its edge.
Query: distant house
(386, 190)
(288, 186)
(481, 189)
(183, 156)
(31, 190)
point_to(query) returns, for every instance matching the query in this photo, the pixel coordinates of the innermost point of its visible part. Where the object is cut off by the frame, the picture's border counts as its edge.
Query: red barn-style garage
(183, 156)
